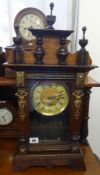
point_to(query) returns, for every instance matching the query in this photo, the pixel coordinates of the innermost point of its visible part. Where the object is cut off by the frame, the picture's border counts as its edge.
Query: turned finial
(51, 7)
(84, 31)
(83, 42)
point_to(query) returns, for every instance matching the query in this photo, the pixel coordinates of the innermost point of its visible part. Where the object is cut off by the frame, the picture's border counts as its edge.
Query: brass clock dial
(50, 98)
(6, 116)
(29, 17)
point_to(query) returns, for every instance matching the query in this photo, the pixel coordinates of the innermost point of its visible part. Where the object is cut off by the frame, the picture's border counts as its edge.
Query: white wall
(10, 8)
(65, 19)
(90, 16)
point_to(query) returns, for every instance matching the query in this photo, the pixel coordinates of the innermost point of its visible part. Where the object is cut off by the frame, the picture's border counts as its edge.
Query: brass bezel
(55, 82)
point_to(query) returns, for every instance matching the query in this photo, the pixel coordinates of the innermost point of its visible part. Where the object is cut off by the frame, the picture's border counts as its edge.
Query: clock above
(29, 17)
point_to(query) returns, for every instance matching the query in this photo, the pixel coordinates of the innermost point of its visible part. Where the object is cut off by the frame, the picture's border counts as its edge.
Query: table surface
(8, 150)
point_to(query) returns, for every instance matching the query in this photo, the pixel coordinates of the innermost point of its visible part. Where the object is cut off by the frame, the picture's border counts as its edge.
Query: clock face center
(49, 96)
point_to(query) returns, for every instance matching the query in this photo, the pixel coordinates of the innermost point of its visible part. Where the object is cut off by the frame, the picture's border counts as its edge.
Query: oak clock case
(26, 18)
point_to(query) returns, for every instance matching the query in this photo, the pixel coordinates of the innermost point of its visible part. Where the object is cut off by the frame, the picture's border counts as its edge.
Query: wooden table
(8, 149)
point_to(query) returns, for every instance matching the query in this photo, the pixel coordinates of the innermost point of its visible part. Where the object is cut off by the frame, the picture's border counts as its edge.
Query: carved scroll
(78, 94)
(21, 94)
(20, 78)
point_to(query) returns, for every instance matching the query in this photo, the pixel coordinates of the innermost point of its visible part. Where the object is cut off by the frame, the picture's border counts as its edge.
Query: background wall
(89, 15)
(64, 10)
(11, 7)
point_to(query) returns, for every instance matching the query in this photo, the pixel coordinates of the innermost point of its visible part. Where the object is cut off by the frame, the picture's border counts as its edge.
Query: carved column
(75, 118)
(62, 52)
(77, 110)
(39, 51)
(18, 51)
(84, 126)
(22, 113)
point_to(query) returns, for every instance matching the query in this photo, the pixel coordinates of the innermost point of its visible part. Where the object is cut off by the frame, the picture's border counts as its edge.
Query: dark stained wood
(2, 60)
(71, 157)
(51, 68)
(83, 54)
(8, 150)
(18, 51)
(84, 123)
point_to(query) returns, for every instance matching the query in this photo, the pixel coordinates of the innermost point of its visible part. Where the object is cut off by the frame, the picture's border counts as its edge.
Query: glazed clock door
(49, 104)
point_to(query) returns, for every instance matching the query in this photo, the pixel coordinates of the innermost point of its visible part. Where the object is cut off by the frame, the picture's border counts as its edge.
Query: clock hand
(4, 118)
(31, 27)
(52, 97)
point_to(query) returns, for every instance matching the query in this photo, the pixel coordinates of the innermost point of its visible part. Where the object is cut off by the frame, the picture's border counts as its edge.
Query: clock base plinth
(49, 159)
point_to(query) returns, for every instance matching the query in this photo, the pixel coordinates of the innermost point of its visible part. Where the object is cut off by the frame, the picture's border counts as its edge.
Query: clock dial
(29, 17)
(30, 20)
(6, 116)
(49, 98)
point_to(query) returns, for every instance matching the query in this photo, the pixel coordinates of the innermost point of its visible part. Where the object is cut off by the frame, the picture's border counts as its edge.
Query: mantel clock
(29, 17)
(51, 99)
(8, 109)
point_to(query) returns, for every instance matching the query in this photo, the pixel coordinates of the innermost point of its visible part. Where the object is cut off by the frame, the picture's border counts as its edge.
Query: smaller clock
(29, 17)
(8, 119)
(6, 116)
(7, 113)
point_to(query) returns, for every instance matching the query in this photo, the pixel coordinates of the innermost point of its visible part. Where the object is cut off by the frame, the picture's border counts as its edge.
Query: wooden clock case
(59, 137)
(55, 141)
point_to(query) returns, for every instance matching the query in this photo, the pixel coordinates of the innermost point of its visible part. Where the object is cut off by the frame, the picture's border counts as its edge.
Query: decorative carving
(22, 145)
(20, 79)
(21, 94)
(42, 76)
(78, 94)
(62, 51)
(75, 142)
(39, 52)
